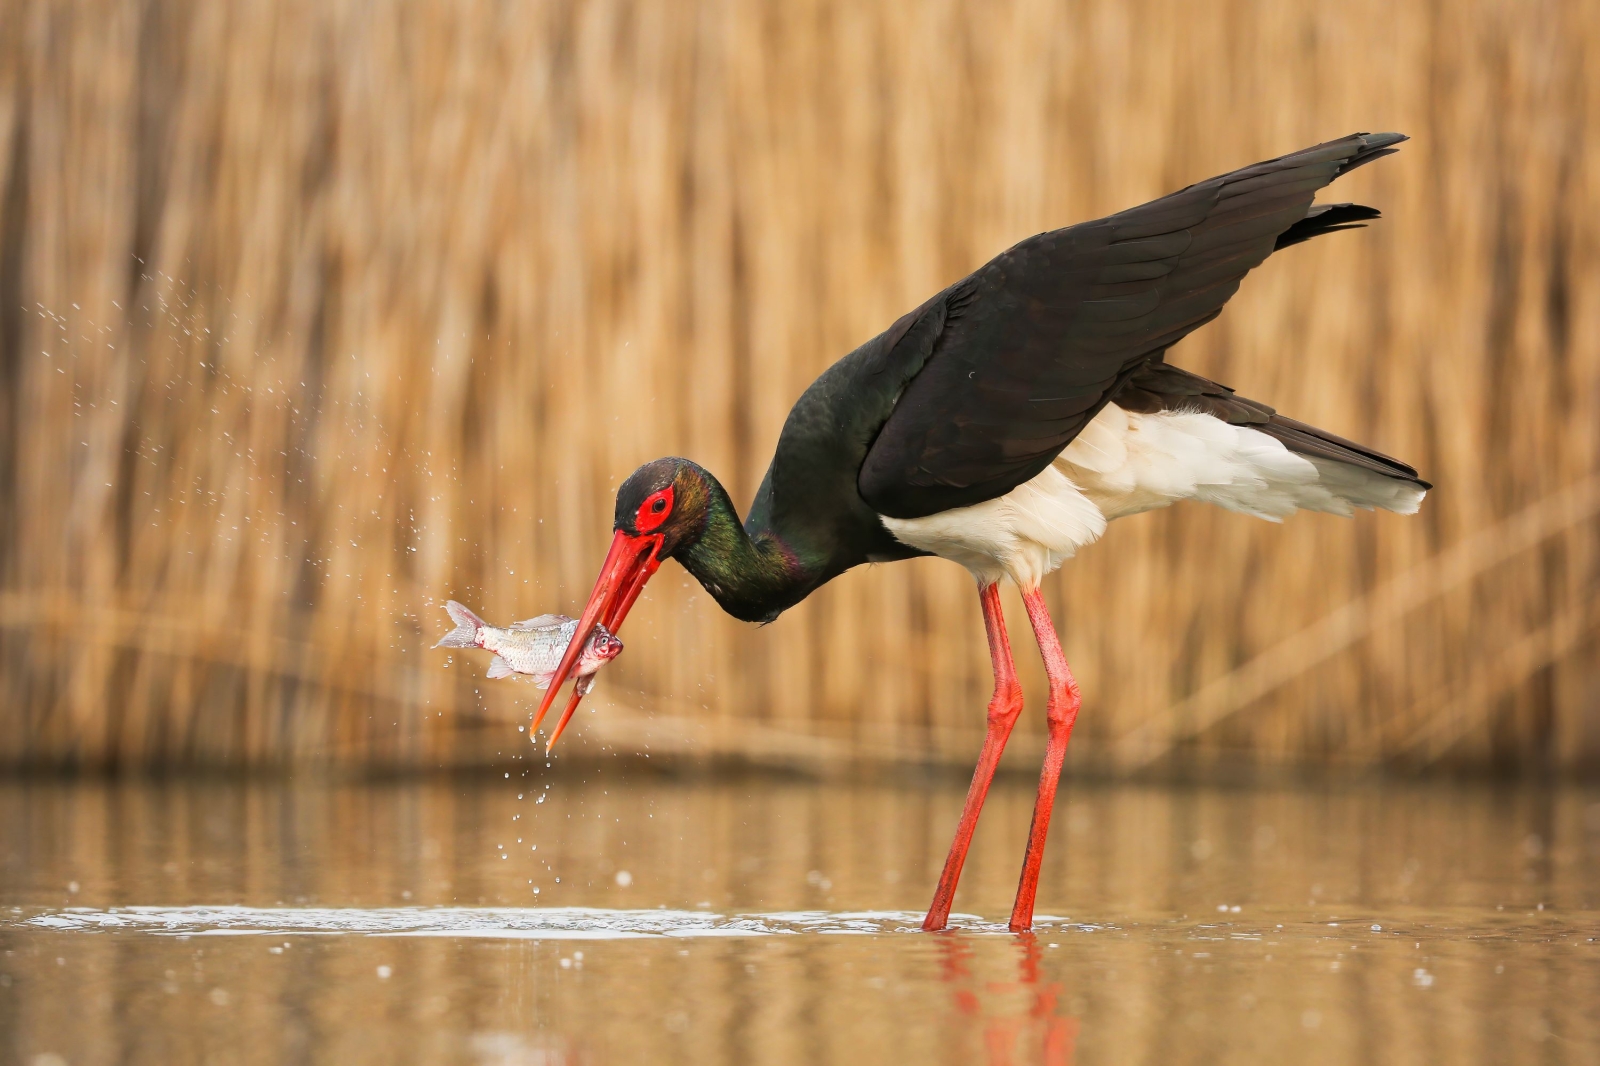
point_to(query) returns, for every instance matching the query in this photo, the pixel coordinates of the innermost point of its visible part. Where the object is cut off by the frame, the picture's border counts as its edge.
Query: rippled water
(636, 919)
(527, 923)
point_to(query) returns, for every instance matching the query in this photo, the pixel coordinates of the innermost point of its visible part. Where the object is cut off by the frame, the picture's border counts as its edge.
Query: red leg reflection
(1060, 1034)
(1059, 716)
(1004, 707)
(1007, 1035)
(953, 969)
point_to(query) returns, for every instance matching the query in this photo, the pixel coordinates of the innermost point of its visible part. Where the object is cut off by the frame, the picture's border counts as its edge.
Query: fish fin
(543, 680)
(584, 684)
(498, 667)
(465, 634)
(544, 621)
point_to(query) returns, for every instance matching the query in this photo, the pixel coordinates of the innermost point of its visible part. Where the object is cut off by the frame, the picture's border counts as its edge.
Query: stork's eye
(654, 510)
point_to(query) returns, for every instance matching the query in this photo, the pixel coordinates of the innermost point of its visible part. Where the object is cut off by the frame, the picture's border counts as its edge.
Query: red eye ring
(654, 510)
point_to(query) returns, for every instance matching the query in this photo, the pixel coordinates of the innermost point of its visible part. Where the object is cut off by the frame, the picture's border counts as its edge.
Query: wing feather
(1036, 341)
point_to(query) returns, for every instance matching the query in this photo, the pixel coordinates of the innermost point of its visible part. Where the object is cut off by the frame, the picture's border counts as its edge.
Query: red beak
(628, 566)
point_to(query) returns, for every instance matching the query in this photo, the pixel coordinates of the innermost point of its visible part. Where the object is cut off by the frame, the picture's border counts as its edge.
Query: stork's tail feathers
(1317, 443)
(1351, 472)
(465, 634)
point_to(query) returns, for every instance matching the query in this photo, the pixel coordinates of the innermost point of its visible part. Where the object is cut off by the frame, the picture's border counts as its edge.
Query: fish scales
(530, 651)
(533, 647)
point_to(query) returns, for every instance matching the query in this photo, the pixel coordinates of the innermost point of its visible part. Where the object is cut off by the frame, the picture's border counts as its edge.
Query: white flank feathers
(1123, 463)
(1024, 534)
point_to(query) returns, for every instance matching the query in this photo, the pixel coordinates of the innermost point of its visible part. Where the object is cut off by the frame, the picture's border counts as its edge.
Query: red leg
(1004, 707)
(1062, 712)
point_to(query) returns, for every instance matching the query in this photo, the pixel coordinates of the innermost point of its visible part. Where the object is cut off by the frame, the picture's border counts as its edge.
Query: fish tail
(465, 634)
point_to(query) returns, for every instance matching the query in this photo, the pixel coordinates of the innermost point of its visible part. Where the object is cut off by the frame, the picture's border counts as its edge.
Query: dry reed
(314, 314)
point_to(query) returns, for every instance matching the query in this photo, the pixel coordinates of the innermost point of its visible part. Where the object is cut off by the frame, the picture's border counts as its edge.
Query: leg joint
(1006, 703)
(1064, 703)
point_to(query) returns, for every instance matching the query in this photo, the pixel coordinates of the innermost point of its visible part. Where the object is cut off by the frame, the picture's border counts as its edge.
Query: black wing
(1036, 341)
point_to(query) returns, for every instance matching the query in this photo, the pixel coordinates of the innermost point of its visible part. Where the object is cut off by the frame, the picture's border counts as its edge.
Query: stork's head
(661, 509)
(667, 499)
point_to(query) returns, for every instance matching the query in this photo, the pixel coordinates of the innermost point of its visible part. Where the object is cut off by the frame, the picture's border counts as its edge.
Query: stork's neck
(753, 574)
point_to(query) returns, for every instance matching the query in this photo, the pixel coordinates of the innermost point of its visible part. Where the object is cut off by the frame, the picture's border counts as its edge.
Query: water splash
(510, 923)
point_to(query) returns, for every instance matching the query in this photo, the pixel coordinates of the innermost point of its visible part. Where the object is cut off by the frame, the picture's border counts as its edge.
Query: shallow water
(645, 919)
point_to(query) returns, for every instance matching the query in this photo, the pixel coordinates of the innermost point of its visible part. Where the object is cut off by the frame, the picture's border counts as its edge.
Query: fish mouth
(632, 560)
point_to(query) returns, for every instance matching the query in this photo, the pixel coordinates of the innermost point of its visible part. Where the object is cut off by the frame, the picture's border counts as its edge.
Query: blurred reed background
(313, 315)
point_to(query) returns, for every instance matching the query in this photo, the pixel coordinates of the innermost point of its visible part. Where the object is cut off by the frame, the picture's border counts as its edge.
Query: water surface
(630, 919)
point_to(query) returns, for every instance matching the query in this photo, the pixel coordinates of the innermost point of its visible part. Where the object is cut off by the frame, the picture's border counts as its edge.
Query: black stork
(1002, 424)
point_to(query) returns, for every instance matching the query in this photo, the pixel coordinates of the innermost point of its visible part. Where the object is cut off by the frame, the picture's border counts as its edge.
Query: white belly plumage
(1123, 463)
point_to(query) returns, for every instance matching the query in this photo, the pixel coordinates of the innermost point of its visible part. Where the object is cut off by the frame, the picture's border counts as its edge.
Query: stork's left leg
(1062, 712)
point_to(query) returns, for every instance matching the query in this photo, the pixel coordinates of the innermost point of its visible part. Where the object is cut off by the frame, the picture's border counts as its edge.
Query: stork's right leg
(1059, 718)
(1004, 707)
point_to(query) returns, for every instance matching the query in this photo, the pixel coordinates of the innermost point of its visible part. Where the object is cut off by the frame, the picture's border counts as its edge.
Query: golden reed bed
(315, 314)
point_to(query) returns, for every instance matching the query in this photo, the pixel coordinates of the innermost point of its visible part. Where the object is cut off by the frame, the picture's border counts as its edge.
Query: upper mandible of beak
(629, 564)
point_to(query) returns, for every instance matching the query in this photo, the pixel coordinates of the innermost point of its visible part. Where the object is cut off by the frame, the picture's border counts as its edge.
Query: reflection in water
(633, 920)
(1008, 1035)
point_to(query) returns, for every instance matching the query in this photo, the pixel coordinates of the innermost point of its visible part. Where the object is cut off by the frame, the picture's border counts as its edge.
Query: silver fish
(533, 647)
